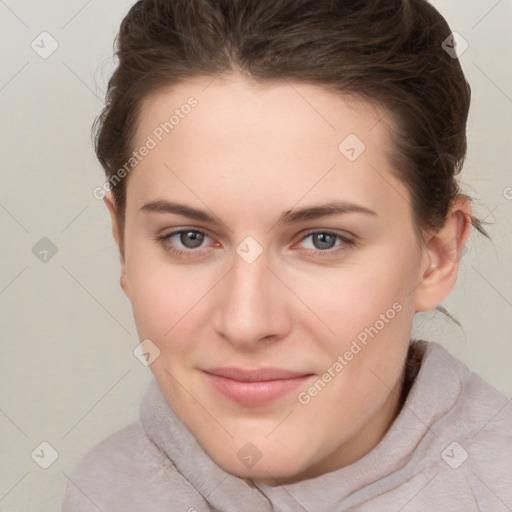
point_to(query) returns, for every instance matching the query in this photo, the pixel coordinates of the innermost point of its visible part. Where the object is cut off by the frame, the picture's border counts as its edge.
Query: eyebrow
(288, 217)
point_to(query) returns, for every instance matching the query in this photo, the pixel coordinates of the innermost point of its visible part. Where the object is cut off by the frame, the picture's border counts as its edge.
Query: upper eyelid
(177, 231)
(329, 231)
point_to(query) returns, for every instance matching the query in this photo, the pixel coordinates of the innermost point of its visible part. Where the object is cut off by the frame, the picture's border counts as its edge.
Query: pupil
(191, 239)
(324, 241)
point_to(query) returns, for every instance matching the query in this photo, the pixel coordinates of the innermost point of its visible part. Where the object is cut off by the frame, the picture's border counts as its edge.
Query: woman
(281, 177)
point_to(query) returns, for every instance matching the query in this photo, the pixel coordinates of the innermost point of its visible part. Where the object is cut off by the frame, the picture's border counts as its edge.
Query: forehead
(236, 106)
(269, 137)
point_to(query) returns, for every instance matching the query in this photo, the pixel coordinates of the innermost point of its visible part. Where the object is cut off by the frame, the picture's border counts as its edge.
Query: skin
(247, 153)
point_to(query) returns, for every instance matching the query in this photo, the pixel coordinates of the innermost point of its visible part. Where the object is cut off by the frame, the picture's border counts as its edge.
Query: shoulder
(469, 441)
(126, 471)
(473, 405)
(482, 442)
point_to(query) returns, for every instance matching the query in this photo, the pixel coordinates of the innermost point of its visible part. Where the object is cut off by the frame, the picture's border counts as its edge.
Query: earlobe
(123, 282)
(116, 233)
(443, 253)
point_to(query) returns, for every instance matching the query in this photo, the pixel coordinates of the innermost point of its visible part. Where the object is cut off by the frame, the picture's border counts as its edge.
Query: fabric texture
(450, 448)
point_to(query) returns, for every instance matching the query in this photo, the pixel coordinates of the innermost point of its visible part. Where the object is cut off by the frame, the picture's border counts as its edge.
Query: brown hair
(385, 51)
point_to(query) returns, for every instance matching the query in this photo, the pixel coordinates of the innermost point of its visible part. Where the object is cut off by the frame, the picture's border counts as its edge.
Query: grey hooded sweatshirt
(449, 449)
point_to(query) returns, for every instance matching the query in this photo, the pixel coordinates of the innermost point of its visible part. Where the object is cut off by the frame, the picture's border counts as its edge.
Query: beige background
(69, 377)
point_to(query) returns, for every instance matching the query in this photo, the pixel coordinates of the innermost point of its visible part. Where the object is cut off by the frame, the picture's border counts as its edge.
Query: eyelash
(192, 253)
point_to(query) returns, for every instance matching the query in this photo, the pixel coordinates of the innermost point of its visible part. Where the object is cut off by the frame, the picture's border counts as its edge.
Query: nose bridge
(249, 309)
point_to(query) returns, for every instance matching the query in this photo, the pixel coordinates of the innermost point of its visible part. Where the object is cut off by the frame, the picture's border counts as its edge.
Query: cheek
(153, 293)
(165, 298)
(345, 300)
(362, 315)
(158, 306)
(372, 326)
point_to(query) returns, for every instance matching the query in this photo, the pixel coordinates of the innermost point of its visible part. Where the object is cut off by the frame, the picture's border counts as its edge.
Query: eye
(184, 242)
(190, 243)
(326, 243)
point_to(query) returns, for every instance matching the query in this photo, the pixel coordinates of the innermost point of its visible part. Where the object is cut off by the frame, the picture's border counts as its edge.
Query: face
(273, 264)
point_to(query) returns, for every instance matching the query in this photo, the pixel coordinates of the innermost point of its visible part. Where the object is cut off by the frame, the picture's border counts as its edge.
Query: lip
(254, 387)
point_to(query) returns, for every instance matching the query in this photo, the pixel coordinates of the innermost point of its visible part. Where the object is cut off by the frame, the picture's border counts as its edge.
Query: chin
(266, 465)
(267, 474)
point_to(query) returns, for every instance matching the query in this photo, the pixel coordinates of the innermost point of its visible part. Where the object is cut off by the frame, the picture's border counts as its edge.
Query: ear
(118, 237)
(443, 253)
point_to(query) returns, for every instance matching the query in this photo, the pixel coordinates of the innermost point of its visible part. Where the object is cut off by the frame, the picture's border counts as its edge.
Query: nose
(252, 306)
